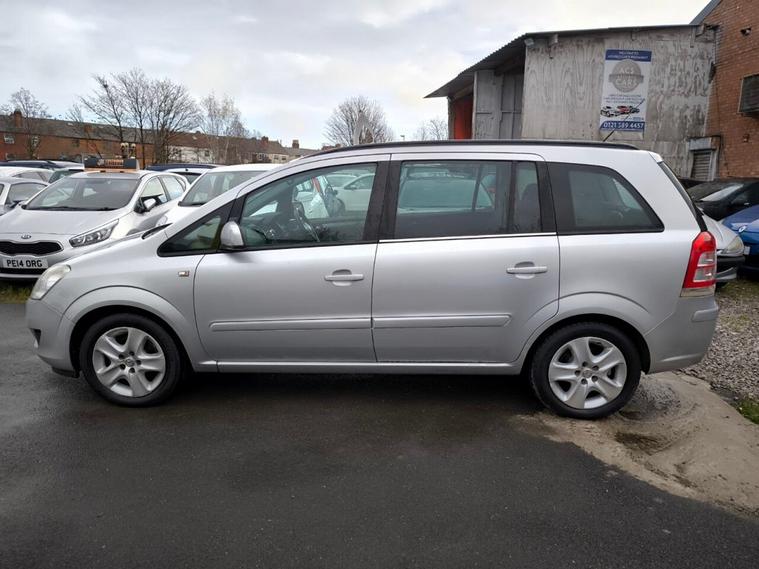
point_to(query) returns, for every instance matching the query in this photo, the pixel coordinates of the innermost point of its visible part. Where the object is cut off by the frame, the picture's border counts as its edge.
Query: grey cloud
(287, 64)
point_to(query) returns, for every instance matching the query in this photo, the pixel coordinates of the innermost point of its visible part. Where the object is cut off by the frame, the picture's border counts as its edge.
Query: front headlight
(47, 280)
(734, 248)
(94, 236)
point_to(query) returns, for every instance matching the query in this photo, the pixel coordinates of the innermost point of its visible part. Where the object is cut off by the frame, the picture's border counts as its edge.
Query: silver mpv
(581, 265)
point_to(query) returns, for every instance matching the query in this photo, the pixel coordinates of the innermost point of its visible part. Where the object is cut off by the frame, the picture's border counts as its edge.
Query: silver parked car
(582, 265)
(16, 190)
(729, 251)
(79, 212)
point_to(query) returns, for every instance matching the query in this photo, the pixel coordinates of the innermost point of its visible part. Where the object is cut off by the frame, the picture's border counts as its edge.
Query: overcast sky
(288, 64)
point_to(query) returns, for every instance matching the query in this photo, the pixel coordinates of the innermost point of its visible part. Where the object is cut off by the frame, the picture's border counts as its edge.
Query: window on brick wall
(9, 139)
(750, 95)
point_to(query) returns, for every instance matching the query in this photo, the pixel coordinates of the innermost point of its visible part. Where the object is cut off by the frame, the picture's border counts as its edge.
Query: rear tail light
(702, 266)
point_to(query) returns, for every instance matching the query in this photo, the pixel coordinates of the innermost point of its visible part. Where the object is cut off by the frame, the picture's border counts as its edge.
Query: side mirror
(231, 236)
(146, 204)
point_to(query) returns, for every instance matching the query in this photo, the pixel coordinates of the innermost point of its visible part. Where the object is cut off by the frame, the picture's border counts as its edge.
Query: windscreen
(93, 193)
(213, 184)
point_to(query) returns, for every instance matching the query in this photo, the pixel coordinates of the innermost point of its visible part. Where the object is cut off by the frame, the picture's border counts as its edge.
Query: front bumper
(727, 267)
(30, 274)
(52, 332)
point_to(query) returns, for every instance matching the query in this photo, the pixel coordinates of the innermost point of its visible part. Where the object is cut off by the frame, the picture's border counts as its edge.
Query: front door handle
(527, 270)
(343, 276)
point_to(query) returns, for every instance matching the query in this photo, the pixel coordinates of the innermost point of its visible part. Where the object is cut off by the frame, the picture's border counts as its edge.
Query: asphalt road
(296, 471)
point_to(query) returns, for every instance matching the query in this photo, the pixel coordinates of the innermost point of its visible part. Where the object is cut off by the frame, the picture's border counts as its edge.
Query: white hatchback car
(79, 212)
(211, 184)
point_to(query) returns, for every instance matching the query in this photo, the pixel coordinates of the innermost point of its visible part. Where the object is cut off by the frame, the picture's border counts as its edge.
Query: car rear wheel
(130, 360)
(586, 370)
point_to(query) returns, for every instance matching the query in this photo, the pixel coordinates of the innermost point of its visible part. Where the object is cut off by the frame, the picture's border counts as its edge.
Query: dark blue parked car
(746, 224)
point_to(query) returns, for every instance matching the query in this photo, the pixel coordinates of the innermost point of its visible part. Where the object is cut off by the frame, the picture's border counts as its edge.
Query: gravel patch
(732, 362)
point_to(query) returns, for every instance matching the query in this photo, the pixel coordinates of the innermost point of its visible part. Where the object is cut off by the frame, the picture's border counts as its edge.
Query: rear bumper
(684, 337)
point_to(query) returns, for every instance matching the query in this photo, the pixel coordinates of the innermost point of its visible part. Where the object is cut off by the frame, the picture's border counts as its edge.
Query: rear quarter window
(594, 199)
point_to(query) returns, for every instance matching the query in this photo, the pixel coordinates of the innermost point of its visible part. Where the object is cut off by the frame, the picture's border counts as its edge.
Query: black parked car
(721, 198)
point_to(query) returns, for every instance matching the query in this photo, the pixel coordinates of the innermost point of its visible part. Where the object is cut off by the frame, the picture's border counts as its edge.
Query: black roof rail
(468, 142)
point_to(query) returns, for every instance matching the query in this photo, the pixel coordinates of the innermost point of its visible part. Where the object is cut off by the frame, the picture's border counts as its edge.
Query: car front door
(300, 288)
(468, 261)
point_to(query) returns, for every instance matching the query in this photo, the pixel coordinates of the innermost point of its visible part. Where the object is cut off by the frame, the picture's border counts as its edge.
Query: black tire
(538, 371)
(173, 359)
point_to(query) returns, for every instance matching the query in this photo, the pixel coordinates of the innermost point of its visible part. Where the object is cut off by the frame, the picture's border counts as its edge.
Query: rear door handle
(343, 276)
(527, 270)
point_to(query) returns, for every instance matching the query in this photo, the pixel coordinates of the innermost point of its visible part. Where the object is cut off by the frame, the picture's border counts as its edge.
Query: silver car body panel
(272, 310)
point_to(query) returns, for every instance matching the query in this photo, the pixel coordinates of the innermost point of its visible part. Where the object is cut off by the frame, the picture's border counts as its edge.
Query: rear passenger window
(467, 197)
(592, 199)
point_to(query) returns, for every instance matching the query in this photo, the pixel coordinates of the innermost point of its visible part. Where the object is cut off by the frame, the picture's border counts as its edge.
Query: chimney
(265, 139)
(17, 116)
(296, 143)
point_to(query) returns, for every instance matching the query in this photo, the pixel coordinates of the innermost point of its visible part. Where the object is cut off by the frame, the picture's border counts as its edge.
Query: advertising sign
(623, 103)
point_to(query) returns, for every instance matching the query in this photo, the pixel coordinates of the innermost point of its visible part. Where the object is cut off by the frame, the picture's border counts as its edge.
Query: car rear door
(468, 261)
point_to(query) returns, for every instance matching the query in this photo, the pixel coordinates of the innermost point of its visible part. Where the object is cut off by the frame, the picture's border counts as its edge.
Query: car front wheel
(130, 360)
(586, 370)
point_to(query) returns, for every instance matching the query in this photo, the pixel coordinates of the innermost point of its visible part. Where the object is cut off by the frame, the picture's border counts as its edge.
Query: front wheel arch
(87, 320)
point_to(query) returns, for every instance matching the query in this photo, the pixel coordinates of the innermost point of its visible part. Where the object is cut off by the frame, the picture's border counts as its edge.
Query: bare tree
(106, 103)
(432, 129)
(32, 110)
(357, 119)
(83, 129)
(134, 90)
(172, 110)
(222, 122)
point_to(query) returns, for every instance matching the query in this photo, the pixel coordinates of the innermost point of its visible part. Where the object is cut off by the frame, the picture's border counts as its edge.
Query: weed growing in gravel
(13, 293)
(749, 409)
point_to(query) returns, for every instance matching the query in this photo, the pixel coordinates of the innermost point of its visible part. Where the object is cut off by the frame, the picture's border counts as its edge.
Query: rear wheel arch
(625, 327)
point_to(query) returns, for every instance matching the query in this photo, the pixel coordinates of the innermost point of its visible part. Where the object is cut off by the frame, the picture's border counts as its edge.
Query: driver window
(305, 208)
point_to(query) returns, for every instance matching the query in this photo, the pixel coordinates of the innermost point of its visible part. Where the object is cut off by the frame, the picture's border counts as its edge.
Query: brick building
(66, 140)
(61, 140)
(731, 145)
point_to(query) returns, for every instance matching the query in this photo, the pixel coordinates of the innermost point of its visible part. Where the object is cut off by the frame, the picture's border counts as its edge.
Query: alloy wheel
(587, 372)
(128, 361)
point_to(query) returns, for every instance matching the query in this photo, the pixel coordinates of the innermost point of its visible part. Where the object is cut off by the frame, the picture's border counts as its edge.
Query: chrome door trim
(476, 368)
(457, 237)
(307, 324)
(473, 321)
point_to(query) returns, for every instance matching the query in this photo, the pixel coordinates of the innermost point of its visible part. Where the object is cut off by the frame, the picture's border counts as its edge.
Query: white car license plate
(747, 250)
(24, 263)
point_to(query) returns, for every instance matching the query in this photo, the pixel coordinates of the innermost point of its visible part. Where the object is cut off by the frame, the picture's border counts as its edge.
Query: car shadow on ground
(512, 393)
